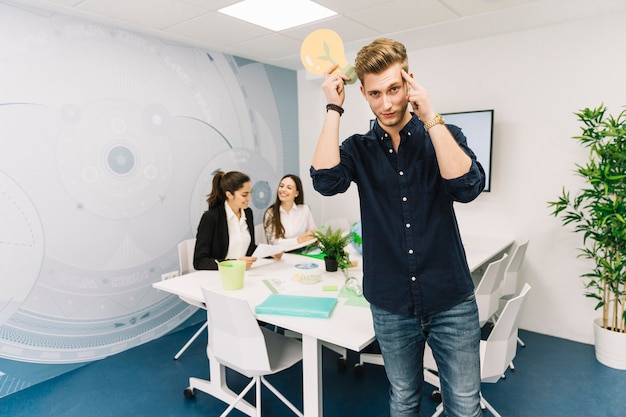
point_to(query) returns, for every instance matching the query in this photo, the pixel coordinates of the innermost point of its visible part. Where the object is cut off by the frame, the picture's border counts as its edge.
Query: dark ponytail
(231, 182)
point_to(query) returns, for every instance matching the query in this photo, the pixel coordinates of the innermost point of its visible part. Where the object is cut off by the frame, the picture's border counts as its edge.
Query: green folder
(297, 305)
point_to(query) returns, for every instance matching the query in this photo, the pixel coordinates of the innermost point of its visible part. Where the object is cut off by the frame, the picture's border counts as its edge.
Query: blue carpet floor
(553, 378)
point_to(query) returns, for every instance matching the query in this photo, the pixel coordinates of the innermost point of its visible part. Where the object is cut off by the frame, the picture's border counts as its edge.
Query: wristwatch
(437, 120)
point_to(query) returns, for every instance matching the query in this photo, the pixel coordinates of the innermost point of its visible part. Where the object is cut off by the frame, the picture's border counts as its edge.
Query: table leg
(312, 376)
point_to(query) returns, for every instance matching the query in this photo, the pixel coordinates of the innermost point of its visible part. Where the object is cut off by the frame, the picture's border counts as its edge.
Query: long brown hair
(231, 182)
(271, 219)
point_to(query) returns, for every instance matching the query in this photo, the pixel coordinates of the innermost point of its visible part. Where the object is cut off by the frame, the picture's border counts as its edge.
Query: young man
(409, 169)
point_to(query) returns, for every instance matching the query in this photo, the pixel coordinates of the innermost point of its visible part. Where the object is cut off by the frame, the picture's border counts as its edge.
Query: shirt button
(390, 150)
(404, 199)
(409, 133)
(408, 225)
(410, 251)
(413, 279)
(401, 173)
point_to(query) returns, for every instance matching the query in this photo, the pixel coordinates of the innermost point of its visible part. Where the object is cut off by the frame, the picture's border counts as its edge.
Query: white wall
(534, 80)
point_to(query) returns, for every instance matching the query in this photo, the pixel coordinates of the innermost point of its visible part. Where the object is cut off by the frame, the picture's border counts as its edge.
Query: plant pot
(610, 346)
(331, 264)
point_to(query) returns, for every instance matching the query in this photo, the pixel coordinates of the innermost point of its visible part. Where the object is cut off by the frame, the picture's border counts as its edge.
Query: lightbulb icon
(323, 48)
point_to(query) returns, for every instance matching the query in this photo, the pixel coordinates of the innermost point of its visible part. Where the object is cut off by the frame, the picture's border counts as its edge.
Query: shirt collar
(379, 132)
(295, 207)
(230, 213)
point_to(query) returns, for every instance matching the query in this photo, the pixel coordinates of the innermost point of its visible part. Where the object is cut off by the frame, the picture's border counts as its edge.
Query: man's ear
(362, 90)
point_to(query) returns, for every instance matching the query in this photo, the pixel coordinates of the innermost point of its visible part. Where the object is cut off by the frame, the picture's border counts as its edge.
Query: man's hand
(418, 97)
(333, 86)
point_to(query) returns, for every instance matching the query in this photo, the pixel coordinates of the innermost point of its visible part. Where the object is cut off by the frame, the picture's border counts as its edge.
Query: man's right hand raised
(334, 86)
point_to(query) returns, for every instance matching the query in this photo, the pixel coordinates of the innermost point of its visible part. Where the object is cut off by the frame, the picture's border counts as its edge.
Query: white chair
(341, 351)
(496, 353)
(185, 259)
(186, 249)
(238, 342)
(511, 273)
(489, 290)
(372, 358)
(259, 234)
(510, 281)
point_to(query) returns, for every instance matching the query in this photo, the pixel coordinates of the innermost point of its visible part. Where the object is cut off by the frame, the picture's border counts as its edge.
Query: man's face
(386, 93)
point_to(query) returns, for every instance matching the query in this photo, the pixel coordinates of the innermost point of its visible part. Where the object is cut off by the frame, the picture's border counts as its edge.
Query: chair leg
(341, 351)
(489, 407)
(280, 397)
(438, 410)
(194, 337)
(483, 405)
(522, 344)
(240, 396)
(258, 399)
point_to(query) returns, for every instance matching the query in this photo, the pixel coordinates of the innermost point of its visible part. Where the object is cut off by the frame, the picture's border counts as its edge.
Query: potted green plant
(598, 212)
(332, 243)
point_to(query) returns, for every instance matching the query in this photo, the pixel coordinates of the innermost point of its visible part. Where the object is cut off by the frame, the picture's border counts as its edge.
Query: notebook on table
(297, 305)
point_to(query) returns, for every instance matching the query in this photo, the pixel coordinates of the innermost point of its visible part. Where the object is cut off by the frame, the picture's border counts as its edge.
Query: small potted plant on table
(332, 243)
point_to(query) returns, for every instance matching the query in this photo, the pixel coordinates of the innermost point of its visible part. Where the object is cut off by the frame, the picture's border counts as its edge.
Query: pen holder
(232, 273)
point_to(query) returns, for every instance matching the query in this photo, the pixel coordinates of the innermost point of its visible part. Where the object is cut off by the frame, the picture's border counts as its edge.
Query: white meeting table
(349, 326)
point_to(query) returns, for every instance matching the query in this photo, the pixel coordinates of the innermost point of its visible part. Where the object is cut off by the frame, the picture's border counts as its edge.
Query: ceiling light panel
(278, 15)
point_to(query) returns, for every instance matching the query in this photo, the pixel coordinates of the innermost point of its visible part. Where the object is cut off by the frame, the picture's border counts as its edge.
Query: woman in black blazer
(226, 230)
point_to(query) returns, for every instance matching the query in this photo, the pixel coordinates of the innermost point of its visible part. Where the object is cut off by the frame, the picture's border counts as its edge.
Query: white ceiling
(417, 23)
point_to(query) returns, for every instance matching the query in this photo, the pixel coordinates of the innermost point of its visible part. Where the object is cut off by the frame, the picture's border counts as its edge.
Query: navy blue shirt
(413, 258)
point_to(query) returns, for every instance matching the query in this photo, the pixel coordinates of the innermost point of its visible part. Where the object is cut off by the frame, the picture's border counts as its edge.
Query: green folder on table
(297, 305)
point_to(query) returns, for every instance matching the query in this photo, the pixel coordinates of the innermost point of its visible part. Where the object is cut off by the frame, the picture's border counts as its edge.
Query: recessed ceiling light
(277, 14)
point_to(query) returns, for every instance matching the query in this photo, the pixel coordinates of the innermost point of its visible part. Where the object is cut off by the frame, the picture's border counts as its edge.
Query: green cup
(232, 274)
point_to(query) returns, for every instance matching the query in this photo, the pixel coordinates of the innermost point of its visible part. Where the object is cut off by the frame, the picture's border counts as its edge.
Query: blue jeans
(453, 336)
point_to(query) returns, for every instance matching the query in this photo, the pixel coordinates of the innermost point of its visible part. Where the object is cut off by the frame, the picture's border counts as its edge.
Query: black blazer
(212, 238)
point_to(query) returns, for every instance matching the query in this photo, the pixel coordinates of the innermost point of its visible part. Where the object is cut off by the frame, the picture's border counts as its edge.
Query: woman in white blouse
(289, 221)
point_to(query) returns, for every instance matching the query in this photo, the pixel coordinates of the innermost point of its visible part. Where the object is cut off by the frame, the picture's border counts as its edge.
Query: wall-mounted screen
(477, 127)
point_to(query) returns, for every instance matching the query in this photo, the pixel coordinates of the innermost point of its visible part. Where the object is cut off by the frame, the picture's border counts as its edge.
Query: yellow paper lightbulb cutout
(323, 48)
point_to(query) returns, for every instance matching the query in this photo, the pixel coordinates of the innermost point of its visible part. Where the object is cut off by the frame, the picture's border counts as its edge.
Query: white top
(296, 222)
(238, 234)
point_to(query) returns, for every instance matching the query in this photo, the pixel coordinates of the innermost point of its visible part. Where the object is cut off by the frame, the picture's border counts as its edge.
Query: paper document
(264, 250)
(262, 261)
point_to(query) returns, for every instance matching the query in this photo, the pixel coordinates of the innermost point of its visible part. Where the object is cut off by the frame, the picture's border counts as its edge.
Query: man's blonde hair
(380, 55)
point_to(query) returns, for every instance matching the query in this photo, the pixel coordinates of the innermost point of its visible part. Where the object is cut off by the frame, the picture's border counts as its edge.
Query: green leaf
(598, 210)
